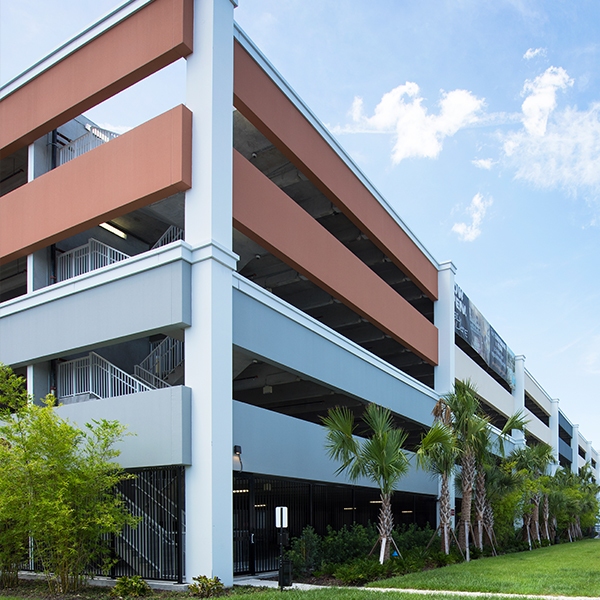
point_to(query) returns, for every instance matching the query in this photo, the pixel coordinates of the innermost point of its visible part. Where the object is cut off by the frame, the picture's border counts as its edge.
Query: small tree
(13, 536)
(380, 458)
(57, 485)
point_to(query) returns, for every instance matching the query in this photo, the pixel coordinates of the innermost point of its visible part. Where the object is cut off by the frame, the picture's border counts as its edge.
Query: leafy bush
(13, 551)
(411, 536)
(437, 558)
(131, 587)
(348, 543)
(362, 570)
(205, 587)
(305, 552)
(57, 485)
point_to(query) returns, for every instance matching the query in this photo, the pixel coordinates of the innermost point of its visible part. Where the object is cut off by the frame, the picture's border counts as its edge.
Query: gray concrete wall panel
(159, 423)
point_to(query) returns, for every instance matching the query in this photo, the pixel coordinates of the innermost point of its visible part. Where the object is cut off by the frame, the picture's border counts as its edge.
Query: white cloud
(566, 156)
(532, 53)
(541, 98)
(416, 133)
(476, 210)
(483, 163)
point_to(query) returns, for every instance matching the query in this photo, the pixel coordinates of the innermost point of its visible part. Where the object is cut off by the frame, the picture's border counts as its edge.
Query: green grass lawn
(326, 594)
(566, 569)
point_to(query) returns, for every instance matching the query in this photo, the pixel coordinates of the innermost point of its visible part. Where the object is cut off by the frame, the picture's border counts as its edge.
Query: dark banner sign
(472, 327)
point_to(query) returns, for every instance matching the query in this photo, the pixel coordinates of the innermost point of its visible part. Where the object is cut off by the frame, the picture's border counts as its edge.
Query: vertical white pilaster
(554, 439)
(38, 381)
(445, 371)
(518, 395)
(575, 450)
(208, 342)
(444, 321)
(30, 176)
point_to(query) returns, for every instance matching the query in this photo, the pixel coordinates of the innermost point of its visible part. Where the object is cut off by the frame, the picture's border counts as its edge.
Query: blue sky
(479, 121)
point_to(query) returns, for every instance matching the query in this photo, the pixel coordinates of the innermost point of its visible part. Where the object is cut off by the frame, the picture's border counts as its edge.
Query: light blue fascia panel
(304, 347)
(275, 444)
(94, 311)
(159, 422)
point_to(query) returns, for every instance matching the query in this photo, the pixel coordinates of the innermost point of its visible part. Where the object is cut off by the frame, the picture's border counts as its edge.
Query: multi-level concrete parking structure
(216, 279)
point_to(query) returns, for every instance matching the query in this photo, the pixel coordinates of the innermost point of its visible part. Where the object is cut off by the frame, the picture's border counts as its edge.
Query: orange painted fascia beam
(272, 219)
(146, 164)
(148, 40)
(267, 107)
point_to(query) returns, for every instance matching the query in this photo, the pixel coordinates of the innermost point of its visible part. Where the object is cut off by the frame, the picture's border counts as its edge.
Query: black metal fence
(155, 548)
(318, 504)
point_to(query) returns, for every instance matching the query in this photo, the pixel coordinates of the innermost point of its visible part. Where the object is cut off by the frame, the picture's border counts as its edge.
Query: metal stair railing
(172, 234)
(96, 376)
(149, 378)
(164, 359)
(95, 136)
(89, 257)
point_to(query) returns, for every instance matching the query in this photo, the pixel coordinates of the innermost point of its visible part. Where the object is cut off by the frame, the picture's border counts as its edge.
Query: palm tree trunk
(527, 528)
(479, 505)
(468, 478)
(445, 514)
(385, 527)
(488, 523)
(535, 518)
(546, 516)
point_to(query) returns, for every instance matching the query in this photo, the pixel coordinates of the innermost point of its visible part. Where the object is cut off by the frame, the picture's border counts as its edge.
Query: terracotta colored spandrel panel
(150, 39)
(144, 165)
(271, 218)
(261, 101)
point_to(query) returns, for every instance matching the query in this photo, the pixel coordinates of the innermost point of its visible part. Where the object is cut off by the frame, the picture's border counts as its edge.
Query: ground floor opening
(255, 497)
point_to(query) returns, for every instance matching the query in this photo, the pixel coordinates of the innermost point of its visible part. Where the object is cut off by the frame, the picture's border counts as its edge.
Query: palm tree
(438, 453)
(574, 501)
(380, 458)
(533, 460)
(462, 410)
(486, 456)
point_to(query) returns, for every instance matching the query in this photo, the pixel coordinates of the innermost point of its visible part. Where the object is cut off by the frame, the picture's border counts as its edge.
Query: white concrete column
(518, 395)
(553, 426)
(208, 342)
(445, 371)
(575, 450)
(38, 381)
(38, 263)
(443, 313)
(30, 176)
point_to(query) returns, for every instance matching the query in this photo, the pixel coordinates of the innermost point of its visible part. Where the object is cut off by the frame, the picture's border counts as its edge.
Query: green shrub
(130, 587)
(437, 558)
(411, 536)
(348, 543)
(13, 551)
(205, 587)
(305, 552)
(362, 570)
